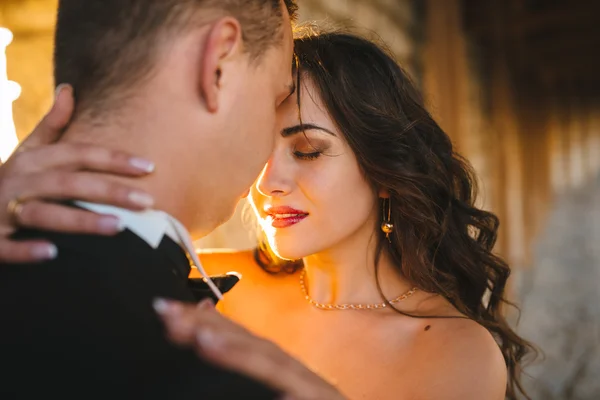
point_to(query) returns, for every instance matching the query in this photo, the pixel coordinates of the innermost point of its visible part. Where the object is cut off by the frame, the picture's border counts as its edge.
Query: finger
(227, 344)
(86, 186)
(60, 218)
(183, 321)
(180, 319)
(53, 124)
(26, 251)
(78, 156)
(223, 342)
(257, 359)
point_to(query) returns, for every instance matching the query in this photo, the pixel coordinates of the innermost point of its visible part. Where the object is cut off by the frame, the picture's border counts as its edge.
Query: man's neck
(166, 184)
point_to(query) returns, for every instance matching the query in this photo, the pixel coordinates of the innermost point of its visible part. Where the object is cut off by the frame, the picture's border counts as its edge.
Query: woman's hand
(42, 171)
(227, 344)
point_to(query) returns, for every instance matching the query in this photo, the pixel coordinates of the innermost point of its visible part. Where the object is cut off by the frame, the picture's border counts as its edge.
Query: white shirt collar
(152, 226)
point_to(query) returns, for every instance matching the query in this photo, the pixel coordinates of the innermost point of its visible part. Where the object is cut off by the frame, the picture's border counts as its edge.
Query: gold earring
(386, 226)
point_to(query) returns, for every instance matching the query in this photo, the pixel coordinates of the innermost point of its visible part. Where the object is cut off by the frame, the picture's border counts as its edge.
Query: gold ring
(14, 210)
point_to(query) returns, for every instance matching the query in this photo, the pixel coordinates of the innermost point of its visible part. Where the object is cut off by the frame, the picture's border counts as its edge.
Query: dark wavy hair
(442, 242)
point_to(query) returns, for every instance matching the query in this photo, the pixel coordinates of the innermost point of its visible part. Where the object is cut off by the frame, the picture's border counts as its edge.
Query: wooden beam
(570, 14)
(557, 69)
(445, 75)
(521, 23)
(579, 44)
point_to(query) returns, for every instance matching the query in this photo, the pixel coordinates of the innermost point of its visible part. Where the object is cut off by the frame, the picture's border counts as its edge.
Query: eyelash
(307, 156)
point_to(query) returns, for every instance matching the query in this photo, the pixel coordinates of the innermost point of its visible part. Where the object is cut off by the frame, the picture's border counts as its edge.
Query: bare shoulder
(459, 359)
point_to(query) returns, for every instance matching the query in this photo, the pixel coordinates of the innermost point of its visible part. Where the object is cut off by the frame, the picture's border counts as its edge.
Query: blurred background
(515, 83)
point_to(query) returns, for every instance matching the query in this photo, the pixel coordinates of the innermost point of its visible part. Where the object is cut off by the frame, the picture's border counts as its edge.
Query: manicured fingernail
(141, 199)
(206, 304)
(161, 306)
(166, 307)
(207, 339)
(142, 164)
(46, 251)
(110, 224)
(59, 90)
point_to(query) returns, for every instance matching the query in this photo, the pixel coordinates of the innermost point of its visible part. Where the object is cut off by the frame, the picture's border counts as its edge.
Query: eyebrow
(292, 130)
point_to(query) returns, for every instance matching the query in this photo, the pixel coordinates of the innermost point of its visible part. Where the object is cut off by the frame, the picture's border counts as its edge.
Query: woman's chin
(289, 251)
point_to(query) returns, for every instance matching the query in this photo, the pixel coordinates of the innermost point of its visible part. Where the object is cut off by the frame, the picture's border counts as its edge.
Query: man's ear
(223, 43)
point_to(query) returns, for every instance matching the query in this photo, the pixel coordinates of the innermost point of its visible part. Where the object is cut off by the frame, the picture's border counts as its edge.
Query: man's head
(202, 78)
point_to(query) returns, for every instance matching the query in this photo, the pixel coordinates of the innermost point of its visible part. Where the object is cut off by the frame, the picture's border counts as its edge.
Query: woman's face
(312, 195)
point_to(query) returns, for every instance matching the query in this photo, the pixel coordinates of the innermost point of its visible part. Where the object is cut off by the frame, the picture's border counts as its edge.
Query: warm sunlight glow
(9, 92)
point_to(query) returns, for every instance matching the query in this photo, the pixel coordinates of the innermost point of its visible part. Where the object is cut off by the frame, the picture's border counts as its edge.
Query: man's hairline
(163, 47)
(218, 13)
(200, 22)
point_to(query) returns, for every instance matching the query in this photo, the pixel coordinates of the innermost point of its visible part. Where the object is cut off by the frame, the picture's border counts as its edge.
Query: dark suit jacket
(82, 326)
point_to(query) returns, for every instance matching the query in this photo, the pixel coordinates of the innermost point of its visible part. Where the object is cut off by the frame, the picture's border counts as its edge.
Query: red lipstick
(284, 216)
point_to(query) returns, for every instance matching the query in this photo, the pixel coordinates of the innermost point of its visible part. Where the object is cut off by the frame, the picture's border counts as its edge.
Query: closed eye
(307, 156)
